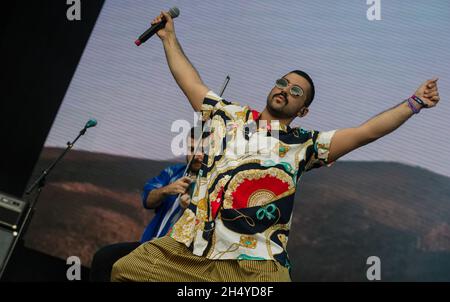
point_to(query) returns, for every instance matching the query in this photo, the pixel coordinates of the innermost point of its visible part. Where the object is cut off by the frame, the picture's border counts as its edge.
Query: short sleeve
(321, 143)
(216, 105)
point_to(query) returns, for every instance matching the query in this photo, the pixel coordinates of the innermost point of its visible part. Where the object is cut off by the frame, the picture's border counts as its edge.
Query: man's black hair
(310, 81)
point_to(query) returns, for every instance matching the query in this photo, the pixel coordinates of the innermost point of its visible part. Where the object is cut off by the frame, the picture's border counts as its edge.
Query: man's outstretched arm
(349, 139)
(182, 70)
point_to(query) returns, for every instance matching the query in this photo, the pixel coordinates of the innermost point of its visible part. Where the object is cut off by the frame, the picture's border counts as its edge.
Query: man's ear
(303, 112)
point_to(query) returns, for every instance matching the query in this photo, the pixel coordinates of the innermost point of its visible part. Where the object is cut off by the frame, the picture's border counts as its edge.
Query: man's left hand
(185, 200)
(428, 92)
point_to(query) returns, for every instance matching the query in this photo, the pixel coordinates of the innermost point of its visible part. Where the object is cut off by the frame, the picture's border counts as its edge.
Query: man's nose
(285, 90)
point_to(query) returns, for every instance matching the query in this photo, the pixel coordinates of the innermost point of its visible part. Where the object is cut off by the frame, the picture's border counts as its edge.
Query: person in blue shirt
(160, 194)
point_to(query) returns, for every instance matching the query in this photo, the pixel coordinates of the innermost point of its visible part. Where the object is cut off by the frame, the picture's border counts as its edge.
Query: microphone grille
(91, 123)
(174, 12)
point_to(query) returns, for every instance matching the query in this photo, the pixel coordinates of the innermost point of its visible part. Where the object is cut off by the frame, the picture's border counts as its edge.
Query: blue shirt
(166, 177)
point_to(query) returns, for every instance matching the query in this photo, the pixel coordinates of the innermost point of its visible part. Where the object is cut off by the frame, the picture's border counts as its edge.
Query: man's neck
(266, 116)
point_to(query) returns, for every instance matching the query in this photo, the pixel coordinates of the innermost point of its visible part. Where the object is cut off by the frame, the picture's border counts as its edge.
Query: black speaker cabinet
(7, 238)
(11, 214)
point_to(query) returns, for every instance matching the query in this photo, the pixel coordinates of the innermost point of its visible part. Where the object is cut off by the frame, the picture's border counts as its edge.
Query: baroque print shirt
(242, 204)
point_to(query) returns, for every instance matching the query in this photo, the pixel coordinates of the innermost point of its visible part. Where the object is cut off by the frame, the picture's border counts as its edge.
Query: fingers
(185, 200)
(186, 179)
(182, 187)
(176, 189)
(430, 86)
(157, 19)
(431, 92)
(182, 184)
(436, 98)
(163, 15)
(433, 96)
(184, 197)
(166, 16)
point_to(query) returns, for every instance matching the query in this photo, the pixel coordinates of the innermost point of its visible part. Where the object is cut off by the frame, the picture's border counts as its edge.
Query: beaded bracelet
(412, 107)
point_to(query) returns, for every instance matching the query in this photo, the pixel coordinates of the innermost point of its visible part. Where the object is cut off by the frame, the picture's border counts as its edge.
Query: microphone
(91, 123)
(173, 12)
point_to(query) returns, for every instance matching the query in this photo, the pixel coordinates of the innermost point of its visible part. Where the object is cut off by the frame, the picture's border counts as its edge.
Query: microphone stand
(39, 183)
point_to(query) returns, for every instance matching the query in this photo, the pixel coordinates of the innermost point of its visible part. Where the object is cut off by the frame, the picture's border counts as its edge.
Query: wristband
(412, 107)
(419, 100)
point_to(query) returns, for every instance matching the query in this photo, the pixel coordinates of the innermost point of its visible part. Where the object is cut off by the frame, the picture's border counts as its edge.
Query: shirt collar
(273, 125)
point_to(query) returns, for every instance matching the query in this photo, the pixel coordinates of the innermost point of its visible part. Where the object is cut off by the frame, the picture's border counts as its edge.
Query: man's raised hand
(429, 93)
(168, 29)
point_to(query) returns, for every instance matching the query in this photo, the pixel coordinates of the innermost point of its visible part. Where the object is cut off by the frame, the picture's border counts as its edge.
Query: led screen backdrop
(390, 199)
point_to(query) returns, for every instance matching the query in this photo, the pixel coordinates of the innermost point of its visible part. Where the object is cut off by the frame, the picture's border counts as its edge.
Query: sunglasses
(295, 89)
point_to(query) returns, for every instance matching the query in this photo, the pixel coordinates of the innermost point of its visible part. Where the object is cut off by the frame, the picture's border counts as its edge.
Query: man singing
(237, 224)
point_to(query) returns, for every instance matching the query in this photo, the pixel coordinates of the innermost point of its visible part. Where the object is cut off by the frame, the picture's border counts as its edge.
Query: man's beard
(195, 166)
(276, 112)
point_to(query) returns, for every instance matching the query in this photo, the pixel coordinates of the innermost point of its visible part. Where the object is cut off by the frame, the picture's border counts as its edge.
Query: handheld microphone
(173, 12)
